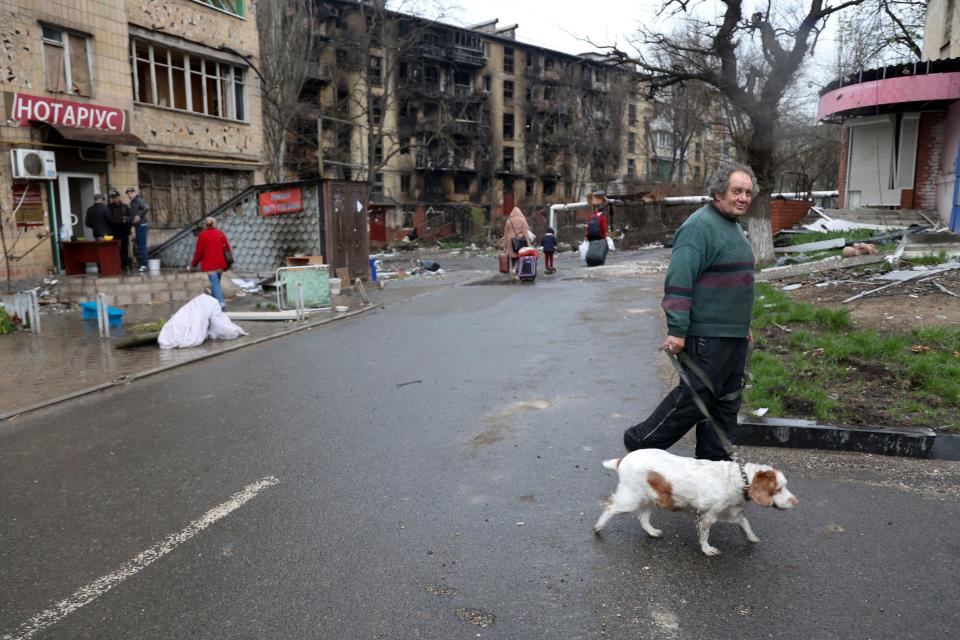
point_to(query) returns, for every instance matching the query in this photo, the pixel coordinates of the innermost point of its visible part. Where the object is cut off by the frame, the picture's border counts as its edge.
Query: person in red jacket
(211, 245)
(597, 226)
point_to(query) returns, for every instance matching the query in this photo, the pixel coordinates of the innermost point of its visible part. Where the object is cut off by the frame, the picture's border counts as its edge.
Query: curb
(149, 372)
(913, 442)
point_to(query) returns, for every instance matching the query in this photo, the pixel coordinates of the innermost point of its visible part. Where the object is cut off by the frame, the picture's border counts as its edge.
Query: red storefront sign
(274, 203)
(24, 108)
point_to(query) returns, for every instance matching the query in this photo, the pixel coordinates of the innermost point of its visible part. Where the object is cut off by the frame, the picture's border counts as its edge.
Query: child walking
(549, 244)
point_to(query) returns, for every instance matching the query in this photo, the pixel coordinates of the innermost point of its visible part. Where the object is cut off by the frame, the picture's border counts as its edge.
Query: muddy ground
(871, 388)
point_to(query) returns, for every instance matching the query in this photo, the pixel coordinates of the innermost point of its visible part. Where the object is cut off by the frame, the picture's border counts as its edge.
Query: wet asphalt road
(438, 468)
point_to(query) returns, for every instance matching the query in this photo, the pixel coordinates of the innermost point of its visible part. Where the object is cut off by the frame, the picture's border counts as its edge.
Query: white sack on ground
(195, 321)
(584, 247)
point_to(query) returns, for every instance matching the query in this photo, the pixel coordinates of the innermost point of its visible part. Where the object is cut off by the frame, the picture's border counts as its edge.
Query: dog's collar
(746, 481)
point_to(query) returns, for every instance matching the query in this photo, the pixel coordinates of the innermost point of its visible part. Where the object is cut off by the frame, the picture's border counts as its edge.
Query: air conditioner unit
(33, 164)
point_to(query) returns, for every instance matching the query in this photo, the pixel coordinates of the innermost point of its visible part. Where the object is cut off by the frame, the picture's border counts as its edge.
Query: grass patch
(823, 369)
(453, 244)
(853, 235)
(149, 327)
(6, 324)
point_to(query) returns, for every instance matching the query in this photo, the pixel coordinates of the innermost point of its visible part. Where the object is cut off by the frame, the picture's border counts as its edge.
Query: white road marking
(87, 594)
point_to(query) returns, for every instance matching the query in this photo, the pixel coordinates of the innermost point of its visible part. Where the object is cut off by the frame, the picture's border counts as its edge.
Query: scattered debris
(858, 249)
(403, 384)
(822, 245)
(945, 290)
(792, 287)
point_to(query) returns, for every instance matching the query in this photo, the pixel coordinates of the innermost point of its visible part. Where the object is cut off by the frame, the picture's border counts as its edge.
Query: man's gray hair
(720, 179)
(99, 197)
(210, 221)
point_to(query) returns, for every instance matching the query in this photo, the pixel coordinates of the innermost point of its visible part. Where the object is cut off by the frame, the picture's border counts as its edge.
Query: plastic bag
(609, 243)
(584, 247)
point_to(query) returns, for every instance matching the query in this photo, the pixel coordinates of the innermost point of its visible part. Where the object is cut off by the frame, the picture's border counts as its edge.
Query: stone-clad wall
(260, 244)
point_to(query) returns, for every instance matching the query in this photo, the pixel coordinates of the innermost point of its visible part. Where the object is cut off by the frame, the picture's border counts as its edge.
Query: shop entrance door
(76, 192)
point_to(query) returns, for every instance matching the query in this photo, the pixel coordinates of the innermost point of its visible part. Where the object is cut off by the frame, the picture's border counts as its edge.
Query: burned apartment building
(437, 117)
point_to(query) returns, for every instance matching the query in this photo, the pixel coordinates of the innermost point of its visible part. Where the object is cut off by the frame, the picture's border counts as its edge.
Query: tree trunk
(757, 224)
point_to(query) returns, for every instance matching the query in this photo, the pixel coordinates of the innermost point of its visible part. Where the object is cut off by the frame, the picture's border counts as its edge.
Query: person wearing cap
(138, 212)
(97, 217)
(119, 221)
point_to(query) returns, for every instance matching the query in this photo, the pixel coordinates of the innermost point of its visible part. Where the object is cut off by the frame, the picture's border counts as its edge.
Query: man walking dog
(708, 301)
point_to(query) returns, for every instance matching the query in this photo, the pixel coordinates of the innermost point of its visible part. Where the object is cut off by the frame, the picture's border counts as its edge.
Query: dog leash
(728, 446)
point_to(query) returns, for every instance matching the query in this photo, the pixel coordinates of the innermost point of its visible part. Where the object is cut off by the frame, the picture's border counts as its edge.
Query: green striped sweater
(709, 285)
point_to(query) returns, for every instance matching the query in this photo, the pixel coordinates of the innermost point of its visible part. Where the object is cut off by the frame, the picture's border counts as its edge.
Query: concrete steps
(138, 288)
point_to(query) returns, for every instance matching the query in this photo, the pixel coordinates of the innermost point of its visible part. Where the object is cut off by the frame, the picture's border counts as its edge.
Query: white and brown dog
(715, 491)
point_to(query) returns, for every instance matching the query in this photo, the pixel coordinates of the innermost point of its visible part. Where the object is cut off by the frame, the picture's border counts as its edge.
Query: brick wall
(930, 141)
(786, 213)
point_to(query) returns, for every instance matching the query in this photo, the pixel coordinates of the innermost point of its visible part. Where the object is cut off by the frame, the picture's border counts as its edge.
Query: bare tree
(879, 33)
(753, 61)
(377, 62)
(287, 31)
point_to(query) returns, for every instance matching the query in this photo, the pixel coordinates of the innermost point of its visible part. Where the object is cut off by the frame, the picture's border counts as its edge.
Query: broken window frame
(375, 71)
(211, 87)
(508, 125)
(406, 181)
(508, 88)
(75, 73)
(236, 8)
(631, 167)
(508, 60)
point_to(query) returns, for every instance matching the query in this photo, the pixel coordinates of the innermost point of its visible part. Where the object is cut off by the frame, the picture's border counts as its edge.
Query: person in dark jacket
(708, 301)
(211, 243)
(119, 221)
(97, 217)
(138, 217)
(549, 244)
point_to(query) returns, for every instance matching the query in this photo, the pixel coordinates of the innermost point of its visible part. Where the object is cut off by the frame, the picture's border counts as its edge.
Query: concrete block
(805, 434)
(142, 297)
(159, 297)
(180, 296)
(124, 288)
(123, 299)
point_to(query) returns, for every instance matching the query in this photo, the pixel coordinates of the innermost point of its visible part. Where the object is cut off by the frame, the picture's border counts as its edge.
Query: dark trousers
(548, 259)
(722, 362)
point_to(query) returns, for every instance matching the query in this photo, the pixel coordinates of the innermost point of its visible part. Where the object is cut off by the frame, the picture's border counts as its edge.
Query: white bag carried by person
(584, 247)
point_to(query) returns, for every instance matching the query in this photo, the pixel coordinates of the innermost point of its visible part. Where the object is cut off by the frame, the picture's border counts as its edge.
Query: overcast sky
(556, 24)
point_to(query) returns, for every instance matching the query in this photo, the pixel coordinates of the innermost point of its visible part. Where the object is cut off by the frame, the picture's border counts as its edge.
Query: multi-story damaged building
(435, 115)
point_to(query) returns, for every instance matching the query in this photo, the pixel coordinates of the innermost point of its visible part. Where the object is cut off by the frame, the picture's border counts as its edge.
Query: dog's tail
(613, 463)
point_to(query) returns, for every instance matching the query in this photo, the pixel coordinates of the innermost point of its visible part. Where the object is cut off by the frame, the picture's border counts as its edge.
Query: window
(375, 71)
(663, 139)
(698, 151)
(165, 77)
(461, 184)
(549, 187)
(631, 167)
(632, 114)
(508, 89)
(235, 7)
(378, 152)
(377, 184)
(376, 109)
(529, 187)
(405, 183)
(486, 84)
(66, 62)
(508, 59)
(631, 142)
(508, 158)
(343, 99)
(508, 126)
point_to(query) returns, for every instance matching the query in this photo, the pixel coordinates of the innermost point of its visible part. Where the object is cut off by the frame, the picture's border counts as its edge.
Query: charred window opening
(508, 120)
(508, 91)
(508, 59)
